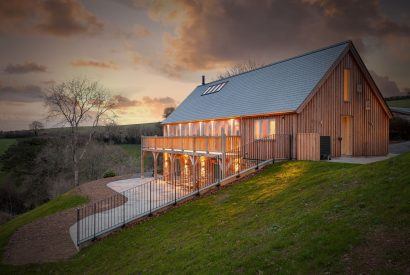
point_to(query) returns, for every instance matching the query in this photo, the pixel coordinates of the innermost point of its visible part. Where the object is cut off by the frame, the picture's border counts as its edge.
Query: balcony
(191, 144)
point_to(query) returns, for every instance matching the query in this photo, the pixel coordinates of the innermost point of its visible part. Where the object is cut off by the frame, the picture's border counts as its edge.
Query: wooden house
(319, 104)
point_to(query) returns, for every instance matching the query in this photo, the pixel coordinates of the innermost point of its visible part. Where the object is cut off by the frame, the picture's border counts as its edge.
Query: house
(322, 103)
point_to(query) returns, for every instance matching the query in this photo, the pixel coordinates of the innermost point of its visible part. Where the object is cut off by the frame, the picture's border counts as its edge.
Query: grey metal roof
(279, 87)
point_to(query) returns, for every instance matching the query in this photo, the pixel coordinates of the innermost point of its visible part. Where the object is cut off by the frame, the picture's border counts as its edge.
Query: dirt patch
(48, 239)
(385, 250)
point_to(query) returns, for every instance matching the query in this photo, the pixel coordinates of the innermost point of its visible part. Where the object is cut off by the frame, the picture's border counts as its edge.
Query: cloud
(213, 33)
(94, 63)
(150, 106)
(27, 67)
(386, 86)
(52, 17)
(29, 93)
(139, 31)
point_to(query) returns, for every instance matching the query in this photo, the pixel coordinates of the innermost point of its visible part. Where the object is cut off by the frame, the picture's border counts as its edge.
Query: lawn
(67, 200)
(4, 144)
(134, 150)
(403, 103)
(293, 217)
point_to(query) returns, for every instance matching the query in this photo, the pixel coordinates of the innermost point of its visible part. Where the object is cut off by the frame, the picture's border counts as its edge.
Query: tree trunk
(75, 170)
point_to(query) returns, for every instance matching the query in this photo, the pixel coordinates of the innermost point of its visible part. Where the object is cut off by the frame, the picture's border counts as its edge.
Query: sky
(151, 54)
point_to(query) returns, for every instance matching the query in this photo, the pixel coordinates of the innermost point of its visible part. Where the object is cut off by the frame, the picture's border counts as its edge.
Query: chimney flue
(203, 80)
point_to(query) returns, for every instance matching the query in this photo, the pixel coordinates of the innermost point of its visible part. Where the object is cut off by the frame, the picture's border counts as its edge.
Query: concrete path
(361, 160)
(395, 149)
(139, 202)
(400, 148)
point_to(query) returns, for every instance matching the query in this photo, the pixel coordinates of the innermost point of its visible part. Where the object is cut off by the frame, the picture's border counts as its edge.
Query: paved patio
(138, 204)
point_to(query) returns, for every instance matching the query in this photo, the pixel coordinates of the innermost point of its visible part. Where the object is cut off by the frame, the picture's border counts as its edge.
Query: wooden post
(155, 156)
(193, 163)
(172, 163)
(142, 163)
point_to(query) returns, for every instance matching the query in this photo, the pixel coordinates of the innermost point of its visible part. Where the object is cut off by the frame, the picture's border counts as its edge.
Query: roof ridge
(283, 60)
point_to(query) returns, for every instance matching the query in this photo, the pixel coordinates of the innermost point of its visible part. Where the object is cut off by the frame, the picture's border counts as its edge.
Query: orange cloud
(151, 107)
(53, 17)
(94, 63)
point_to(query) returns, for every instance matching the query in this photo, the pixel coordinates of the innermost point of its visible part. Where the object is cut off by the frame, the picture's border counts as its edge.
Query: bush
(109, 174)
(399, 129)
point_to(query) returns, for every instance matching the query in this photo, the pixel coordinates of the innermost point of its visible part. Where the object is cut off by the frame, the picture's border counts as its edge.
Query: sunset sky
(151, 54)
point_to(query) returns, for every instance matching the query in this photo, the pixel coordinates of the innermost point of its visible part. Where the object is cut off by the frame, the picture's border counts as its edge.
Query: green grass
(67, 200)
(403, 103)
(294, 217)
(4, 144)
(134, 150)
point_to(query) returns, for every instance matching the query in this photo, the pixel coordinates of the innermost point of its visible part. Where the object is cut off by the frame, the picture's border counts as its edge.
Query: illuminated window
(264, 128)
(214, 88)
(346, 82)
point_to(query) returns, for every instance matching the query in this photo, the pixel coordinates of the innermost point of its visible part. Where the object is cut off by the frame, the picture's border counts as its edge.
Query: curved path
(47, 239)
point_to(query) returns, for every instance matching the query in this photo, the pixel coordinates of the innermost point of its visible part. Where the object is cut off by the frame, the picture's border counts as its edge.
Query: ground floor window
(264, 128)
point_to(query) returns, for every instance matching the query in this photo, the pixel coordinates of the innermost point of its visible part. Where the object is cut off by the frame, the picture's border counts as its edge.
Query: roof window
(214, 88)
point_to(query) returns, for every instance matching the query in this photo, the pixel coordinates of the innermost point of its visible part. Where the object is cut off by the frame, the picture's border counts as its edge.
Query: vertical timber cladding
(323, 113)
(283, 130)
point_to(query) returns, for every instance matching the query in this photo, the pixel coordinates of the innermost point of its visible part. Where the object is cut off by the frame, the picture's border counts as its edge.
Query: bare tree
(168, 111)
(239, 68)
(36, 126)
(76, 103)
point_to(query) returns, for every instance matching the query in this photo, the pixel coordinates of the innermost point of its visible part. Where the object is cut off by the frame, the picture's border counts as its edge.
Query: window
(264, 128)
(214, 88)
(367, 105)
(346, 82)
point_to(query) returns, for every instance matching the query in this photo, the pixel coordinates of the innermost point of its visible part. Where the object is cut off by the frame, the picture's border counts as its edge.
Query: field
(134, 150)
(403, 103)
(4, 144)
(293, 217)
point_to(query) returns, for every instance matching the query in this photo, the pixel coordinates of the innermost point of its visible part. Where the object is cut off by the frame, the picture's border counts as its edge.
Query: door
(347, 136)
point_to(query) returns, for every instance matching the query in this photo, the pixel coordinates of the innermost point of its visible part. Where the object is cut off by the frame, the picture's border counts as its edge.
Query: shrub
(109, 174)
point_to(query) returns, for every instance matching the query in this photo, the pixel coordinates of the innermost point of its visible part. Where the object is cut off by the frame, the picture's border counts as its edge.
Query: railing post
(155, 142)
(219, 172)
(290, 147)
(223, 143)
(123, 208)
(95, 219)
(78, 227)
(150, 199)
(175, 188)
(273, 149)
(207, 145)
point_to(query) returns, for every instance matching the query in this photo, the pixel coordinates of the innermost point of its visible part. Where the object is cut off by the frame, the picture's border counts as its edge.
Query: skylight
(214, 88)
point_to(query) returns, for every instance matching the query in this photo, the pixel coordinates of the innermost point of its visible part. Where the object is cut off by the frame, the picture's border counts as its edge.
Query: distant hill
(130, 133)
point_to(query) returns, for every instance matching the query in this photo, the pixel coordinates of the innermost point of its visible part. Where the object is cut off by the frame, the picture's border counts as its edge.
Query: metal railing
(101, 217)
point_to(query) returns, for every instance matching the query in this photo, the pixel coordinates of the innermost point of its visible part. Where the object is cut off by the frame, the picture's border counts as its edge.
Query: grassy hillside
(294, 217)
(134, 150)
(4, 144)
(68, 200)
(403, 103)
